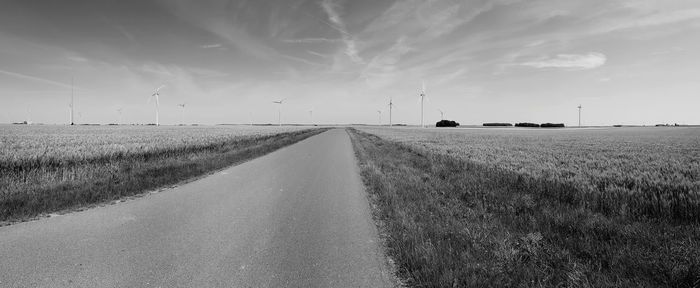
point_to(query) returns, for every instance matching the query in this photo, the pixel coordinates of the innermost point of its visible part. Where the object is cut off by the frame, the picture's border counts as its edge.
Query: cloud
(382, 69)
(452, 76)
(302, 60)
(76, 58)
(208, 46)
(36, 79)
(653, 19)
(125, 33)
(227, 29)
(448, 18)
(324, 56)
(331, 8)
(570, 61)
(312, 40)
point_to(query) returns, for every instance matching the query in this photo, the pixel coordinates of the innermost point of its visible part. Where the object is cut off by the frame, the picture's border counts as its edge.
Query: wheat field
(45, 168)
(639, 172)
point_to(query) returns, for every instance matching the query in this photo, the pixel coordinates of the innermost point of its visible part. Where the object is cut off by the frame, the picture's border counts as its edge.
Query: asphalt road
(297, 217)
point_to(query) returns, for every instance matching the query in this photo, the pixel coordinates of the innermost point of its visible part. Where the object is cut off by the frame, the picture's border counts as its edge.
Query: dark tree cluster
(526, 124)
(446, 123)
(552, 125)
(544, 125)
(498, 124)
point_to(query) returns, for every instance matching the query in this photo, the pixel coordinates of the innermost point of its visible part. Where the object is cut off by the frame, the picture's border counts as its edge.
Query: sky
(625, 62)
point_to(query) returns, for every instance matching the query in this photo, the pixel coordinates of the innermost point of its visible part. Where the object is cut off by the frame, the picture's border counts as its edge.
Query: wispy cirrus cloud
(76, 58)
(35, 79)
(302, 60)
(313, 40)
(331, 8)
(210, 46)
(649, 19)
(446, 19)
(570, 61)
(382, 69)
(324, 56)
(128, 35)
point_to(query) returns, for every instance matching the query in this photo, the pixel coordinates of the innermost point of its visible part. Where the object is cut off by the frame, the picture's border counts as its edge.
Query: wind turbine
(182, 113)
(380, 117)
(422, 99)
(70, 113)
(156, 94)
(29, 115)
(279, 111)
(311, 115)
(579, 115)
(119, 111)
(391, 106)
(442, 115)
(72, 99)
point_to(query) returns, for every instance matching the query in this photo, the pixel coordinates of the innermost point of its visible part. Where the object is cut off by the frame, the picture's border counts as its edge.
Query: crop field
(45, 168)
(537, 208)
(22, 143)
(640, 172)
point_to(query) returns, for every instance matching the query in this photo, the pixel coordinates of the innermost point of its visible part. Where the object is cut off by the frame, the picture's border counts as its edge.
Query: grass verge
(128, 175)
(454, 223)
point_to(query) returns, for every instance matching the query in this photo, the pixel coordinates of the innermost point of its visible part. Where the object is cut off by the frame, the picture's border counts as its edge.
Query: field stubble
(49, 168)
(481, 208)
(625, 172)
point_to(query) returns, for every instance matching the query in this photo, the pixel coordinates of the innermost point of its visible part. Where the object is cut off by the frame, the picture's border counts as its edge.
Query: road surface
(297, 217)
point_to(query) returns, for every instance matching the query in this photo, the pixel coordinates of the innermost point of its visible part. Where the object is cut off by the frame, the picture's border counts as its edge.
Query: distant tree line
(526, 124)
(498, 124)
(446, 123)
(535, 125)
(552, 125)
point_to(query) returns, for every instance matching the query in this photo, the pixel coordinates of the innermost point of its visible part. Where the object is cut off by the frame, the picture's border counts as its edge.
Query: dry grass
(621, 172)
(49, 168)
(455, 222)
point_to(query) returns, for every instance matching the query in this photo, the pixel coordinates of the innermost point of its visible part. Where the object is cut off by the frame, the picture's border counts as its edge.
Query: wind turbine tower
(119, 111)
(579, 115)
(279, 111)
(182, 113)
(422, 99)
(442, 115)
(391, 106)
(380, 117)
(29, 115)
(311, 116)
(72, 99)
(156, 94)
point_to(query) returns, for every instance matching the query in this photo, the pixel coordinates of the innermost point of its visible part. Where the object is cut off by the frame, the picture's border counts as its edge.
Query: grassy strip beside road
(126, 175)
(454, 223)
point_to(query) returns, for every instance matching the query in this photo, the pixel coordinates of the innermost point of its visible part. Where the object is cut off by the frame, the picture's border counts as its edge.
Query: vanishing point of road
(297, 217)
